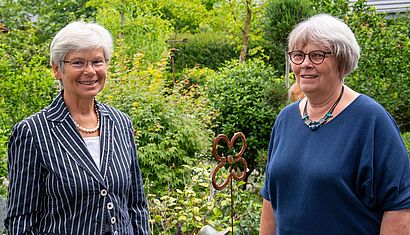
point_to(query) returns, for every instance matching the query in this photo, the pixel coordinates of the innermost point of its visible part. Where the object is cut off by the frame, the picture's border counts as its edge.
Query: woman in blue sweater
(336, 161)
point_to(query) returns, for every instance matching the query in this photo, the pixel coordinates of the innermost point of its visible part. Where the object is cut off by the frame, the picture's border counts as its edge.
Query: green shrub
(247, 97)
(207, 49)
(170, 125)
(383, 71)
(198, 76)
(337, 8)
(187, 210)
(25, 92)
(406, 139)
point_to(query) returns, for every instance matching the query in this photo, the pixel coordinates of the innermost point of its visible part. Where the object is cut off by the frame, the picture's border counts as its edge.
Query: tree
(137, 27)
(280, 18)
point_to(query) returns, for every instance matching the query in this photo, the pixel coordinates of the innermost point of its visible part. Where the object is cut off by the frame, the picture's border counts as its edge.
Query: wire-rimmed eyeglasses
(316, 57)
(81, 64)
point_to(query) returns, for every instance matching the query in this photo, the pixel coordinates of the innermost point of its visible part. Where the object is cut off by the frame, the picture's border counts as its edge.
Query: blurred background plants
(176, 115)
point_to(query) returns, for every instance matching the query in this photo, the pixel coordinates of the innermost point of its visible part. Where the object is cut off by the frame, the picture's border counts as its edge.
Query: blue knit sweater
(339, 178)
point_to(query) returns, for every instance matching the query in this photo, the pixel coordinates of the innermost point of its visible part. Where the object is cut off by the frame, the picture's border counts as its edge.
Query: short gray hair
(78, 36)
(333, 34)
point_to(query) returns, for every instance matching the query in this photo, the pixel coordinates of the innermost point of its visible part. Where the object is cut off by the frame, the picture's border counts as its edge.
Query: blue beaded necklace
(313, 125)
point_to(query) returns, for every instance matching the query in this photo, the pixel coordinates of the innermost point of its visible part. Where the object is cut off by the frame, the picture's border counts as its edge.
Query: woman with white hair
(73, 166)
(336, 160)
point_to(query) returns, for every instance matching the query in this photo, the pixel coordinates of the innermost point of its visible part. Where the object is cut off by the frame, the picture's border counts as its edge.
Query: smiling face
(82, 83)
(316, 79)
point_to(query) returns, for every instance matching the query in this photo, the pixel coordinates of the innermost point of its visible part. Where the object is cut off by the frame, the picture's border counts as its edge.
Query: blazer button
(113, 220)
(110, 205)
(103, 192)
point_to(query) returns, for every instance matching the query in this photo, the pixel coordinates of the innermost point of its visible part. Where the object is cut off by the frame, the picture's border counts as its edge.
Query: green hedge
(206, 49)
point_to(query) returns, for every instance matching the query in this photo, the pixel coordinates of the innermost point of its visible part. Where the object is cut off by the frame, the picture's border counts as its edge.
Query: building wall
(389, 6)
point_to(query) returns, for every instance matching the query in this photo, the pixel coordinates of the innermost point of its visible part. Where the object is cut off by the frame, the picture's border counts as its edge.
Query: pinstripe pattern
(55, 186)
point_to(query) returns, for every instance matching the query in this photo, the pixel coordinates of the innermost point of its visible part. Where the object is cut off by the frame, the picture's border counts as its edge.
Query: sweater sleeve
(386, 167)
(265, 189)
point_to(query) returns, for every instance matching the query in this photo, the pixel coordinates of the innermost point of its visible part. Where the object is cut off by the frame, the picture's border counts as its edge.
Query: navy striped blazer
(55, 186)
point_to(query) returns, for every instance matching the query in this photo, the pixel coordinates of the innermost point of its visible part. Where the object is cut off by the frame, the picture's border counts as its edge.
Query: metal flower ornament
(233, 161)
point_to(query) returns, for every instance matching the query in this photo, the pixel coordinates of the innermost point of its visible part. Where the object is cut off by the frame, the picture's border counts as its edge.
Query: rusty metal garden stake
(231, 161)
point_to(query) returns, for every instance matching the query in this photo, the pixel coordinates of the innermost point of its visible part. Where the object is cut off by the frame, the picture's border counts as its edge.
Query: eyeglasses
(316, 57)
(81, 64)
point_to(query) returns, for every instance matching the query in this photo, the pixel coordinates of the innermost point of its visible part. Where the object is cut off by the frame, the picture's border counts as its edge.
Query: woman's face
(84, 73)
(316, 79)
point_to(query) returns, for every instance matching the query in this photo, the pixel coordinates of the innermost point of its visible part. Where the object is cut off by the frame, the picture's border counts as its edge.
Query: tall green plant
(280, 18)
(247, 97)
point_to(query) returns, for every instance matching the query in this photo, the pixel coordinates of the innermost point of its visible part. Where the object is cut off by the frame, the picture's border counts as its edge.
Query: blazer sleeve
(25, 189)
(137, 201)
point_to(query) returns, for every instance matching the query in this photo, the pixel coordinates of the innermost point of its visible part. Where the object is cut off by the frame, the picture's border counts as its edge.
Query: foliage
(198, 76)
(406, 139)
(171, 125)
(247, 98)
(184, 15)
(337, 8)
(26, 83)
(17, 48)
(207, 49)
(3, 162)
(280, 18)
(174, 120)
(136, 25)
(32, 84)
(224, 16)
(198, 204)
(47, 16)
(385, 48)
(229, 17)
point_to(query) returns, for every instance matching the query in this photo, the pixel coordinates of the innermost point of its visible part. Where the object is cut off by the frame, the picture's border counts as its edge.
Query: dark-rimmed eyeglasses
(81, 64)
(316, 57)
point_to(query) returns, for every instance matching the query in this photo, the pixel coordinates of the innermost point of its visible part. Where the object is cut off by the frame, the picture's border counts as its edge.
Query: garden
(186, 71)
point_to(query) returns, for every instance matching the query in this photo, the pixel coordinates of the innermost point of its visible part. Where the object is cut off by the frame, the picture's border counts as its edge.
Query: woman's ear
(57, 71)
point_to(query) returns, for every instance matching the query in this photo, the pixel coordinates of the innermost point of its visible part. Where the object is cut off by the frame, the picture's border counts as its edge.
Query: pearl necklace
(89, 130)
(313, 125)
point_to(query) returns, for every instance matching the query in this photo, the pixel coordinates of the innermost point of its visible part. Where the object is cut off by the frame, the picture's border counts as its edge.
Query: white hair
(331, 33)
(78, 36)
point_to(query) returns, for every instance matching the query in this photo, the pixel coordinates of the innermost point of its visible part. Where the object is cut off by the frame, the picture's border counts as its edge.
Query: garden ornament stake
(232, 161)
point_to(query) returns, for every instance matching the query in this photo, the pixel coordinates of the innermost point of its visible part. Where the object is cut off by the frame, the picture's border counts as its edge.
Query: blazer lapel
(106, 138)
(69, 138)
